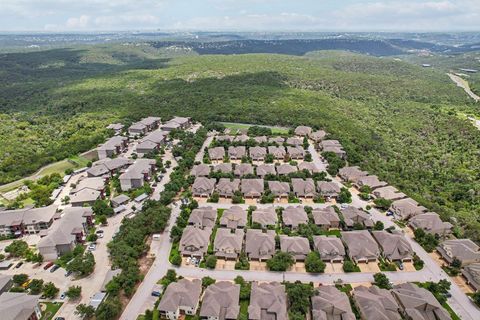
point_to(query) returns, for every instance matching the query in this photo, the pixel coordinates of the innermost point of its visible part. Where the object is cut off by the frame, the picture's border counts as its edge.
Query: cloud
(78, 23)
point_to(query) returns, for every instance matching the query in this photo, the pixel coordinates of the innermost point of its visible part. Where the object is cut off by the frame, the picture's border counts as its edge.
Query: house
(260, 139)
(389, 193)
(224, 138)
(285, 169)
(119, 200)
(113, 146)
(265, 217)
(236, 153)
(116, 127)
(184, 122)
(216, 154)
(278, 153)
(279, 189)
(221, 301)
(294, 216)
(6, 283)
(430, 222)
(19, 306)
(404, 209)
(194, 241)
(264, 169)
(108, 167)
(355, 216)
(258, 153)
(395, 247)
(330, 248)
(326, 218)
(136, 175)
(151, 123)
(203, 187)
(328, 189)
(137, 128)
(203, 217)
(298, 247)
(303, 131)
(228, 243)
(361, 246)
(268, 301)
(146, 146)
(260, 245)
(19, 222)
(226, 188)
(418, 303)
(252, 188)
(243, 169)
(329, 303)
(223, 168)
(304, 188)
(87, 191)
(351, 174)
(296, 153)
(370, 181)
(170, 126)
(471, 273)
(241, 138)
(464, 250)
(233, 218)
(309, 166)
(276, 140)
(201, 170)
(294, 141)
(338, 150)
(180, 298)
(330, 143)
(65, 233)
(375, 303)
(318, 135)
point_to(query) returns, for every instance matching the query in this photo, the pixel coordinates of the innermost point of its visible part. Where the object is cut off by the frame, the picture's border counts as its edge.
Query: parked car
(59, 318)
(92, 247)
(68, 273)
(62, 296)
(19, 264)
(55, 268)
(156, 293)
(99, 233)
(48, 265)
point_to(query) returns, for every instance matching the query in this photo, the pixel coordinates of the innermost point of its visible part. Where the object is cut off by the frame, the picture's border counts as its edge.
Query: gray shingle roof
(234, 217)
(298, 247)
(217, 153)
(17, 306)
(376, 303)
(183, 293)
(330, 248)
(406, 208)
(294, 216)
(464, 250)
(394, 246)
(265, 217)
(243, 169)
(304, 188)
(329, 303)
(286, 168)
(195, 241)
(361, 245)
(326, 217)
(279, 189)
(303, 130)
(264, 169)
(221, 301)
(203, 186)
(257, 153)
(268, 301)
(203, 217)
(352, 215)
(252, 187)
(430, 222)
(228, 244)
(389, 193)
(201, 170)
(260, 245)
(226, 187)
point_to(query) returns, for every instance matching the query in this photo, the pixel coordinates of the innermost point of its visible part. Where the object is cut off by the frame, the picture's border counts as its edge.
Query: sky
(239, 15)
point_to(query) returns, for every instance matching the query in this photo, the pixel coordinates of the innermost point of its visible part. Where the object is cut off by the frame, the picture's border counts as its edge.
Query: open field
(245, 126)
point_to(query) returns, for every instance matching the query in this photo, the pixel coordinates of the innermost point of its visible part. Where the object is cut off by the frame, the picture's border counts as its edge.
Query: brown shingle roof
(227, 244)
(252, 188)
(298, 247)
(431, 223)
(264, 169)
(265, 217)
(394, 246)
(326, 217)
(234, 217)
(217, 153)
(268, 301)
(243, 169)
(304, 188)
(329, 303)
(330, 248)
(203, 217)
(279, 189)
(227, 188)
(195, 241)
(203, 186)
(260, 245)
(294, 216)
(183, 293)
(376, 303)
(361, 245)
(257, 153)
(221, 301)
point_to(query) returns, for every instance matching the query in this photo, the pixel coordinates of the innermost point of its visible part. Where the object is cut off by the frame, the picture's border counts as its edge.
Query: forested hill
(396, 120)
(292, 47)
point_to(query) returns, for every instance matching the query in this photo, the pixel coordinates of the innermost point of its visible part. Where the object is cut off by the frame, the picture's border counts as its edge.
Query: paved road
(206, 143)
(462, 83)
(431, 272)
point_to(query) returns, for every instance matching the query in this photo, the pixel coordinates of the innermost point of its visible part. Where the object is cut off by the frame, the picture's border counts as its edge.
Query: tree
(101, 208)
(313, 263)
(36, 286)
(299, 295)
(18, 248)
(382, 203)
(349, 266)
(245, 288)
(211, 262)
(344, 196)
(50, 291)
(101, 219)
(215, 197)
(74, 292)
(20, 279)
(476, 298)
(378, 226)
(281, 261)
(84, 311)
(381, 281)
(456, 263)
(170, 276)
(176, 259)
(109, 309)
(82, 264)
(206, 281)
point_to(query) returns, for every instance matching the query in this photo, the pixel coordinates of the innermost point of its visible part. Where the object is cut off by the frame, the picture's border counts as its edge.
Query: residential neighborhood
(254, 219)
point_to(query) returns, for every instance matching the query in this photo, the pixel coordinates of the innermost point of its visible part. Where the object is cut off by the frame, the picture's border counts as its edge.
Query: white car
(92, 247)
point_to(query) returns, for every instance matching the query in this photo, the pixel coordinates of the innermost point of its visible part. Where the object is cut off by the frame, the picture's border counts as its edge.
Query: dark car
(156, 293)
(48, 265)
(54, 268)
(19, 264)
(59, 318)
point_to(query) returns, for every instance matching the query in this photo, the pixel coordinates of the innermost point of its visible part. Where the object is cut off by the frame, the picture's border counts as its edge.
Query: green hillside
(396, 120)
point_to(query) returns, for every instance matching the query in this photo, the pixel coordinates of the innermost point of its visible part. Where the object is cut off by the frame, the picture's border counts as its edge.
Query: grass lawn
(245, 126)
(331, 233)
(51, 310)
